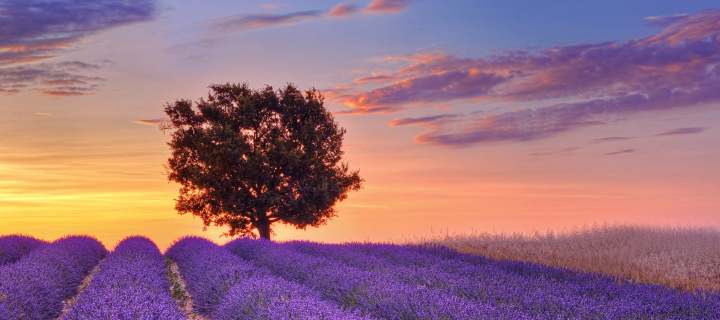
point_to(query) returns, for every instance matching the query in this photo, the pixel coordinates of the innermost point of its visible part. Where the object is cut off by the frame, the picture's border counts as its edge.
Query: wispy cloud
(382, 110)
(53, 79)
(611, 139)
(600, 83)
(430, 121)
(376, 79)
(682, 131)
(387, 6)
(243, 22)
(150, 122)
(553, 152)
(33, 30)
(272, 5)
(620, 152)
(342, 10)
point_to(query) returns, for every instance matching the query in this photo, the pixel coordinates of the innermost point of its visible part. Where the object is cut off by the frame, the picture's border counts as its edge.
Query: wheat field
(686, 258)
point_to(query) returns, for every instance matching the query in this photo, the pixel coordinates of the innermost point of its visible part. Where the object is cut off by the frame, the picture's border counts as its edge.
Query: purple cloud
(611, 139)
(682, 131)
(54, 79)
(243, 22)
(602, 83)
(240, 22)
(32, 31)
(382, 110)
(430, 121)
(620, 152)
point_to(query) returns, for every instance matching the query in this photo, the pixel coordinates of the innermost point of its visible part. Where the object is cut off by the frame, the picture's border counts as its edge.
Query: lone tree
(249, 158)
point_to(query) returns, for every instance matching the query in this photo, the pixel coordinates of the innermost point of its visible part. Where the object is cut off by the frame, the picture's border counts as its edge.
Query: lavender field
(75, 277)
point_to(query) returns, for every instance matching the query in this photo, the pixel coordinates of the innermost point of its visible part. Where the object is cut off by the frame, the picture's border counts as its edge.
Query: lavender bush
(537, 290)
(379, 293)
(35, 286)
(227, 287)
(13, 247)
(131, 283)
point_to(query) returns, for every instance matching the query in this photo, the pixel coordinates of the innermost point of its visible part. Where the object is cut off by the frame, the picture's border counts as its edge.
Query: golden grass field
(686, 258)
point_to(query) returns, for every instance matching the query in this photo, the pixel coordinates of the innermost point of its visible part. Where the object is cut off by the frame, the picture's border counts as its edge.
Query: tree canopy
(249, 158)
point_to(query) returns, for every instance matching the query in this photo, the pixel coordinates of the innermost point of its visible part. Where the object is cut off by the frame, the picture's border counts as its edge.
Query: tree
(249, 158)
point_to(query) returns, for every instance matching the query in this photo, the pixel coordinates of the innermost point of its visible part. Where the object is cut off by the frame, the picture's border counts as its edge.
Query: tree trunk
(263, 228)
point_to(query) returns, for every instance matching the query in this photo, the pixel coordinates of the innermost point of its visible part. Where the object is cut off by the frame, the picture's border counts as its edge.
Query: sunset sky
(461, 115)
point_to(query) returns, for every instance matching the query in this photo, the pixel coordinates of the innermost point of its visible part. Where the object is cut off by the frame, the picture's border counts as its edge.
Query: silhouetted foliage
(248, 158)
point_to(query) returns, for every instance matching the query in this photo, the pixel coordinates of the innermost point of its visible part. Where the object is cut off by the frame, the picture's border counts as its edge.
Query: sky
(462, 116)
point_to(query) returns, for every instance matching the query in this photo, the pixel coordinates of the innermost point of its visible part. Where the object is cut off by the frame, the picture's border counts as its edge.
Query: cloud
(430, 121)
(387, 6)
(682, 131)
(243, 22)
(611, 139)
(53, 79)
(150, 122)
(272, 5)
(342, 10)
(620, 152)
(33, 31)
(375, 79)
(703, 25)
(553, 152)
(574, 85)
(382, 110)
(665, 21)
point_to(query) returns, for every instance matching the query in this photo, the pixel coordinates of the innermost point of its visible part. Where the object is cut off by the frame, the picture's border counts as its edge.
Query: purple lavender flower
(227, 287)
(131, 283)
(13, 247)
(35, 286)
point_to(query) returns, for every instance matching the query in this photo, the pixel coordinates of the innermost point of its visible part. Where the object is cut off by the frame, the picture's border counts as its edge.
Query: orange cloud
(150, 122)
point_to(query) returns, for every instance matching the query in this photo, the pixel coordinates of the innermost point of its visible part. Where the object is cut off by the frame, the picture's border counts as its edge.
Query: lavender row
(377, 293)
(131, 283)
(35, 286)
(227, 287)
(539, 290)
(13, 247)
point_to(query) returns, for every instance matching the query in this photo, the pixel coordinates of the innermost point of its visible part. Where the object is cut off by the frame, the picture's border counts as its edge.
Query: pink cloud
(387, 6)
(272, 5)
(553, 152)
(342, 10)
(601, 83)
(696, 27)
